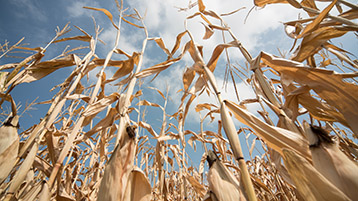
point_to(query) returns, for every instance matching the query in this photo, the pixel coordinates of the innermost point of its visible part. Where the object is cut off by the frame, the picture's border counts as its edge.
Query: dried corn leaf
(309, 182)
(276, 138)
(106, 12)
(201, 5)
(42, 165)
(3, 76)
(14, 73)
(101, 104)
(188, 78)
(119, 51)
(32, 193)
(263, 84)
(149, 128)
(125, 68)
(198, 187)
(147, 103)
(320, 111)
(208, 32)
(177, 42)
(131, 23)
(262, 3)
(161, 44)
(350, 14)
(157, 68)
(316, 22)
(159, 92)
(328, 85)
(200, 107)
(40, 70)
(342, 57)
(310, 4)
(21, 173)
(81, 38)
(313, 42)
(106, 122)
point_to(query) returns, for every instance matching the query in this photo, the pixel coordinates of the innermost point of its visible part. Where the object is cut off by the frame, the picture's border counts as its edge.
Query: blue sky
(37, 20)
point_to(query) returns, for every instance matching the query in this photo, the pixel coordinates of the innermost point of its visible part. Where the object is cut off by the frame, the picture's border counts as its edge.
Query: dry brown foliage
(69, 155)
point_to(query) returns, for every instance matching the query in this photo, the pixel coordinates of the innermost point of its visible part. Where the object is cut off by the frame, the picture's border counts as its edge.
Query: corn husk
(138, 187)
(9, 146)
(118, 169)
(309, 182)
(221, 181)
(331, 162)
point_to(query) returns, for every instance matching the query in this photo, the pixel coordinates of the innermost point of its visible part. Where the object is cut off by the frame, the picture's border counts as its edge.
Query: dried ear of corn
(45, 192)
(9, 146)
(222, 182)
(309, 182)
(331, 162)
(118, 169)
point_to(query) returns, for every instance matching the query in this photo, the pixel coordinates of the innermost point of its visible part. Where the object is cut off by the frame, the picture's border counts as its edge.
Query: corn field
(91, 145)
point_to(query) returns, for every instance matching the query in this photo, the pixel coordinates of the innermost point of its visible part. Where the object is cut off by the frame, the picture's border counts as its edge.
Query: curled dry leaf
(316, 22)
(276, 138)
(329, 85)
(85, 38)
(201, 5)
(157, 68)
(208, 31)
(106, 12)
(262, 3)
(161, 44)
(319, 110)
(198, 187)
(96, 107)
(313, 42)
(106, 122)
(42, 69)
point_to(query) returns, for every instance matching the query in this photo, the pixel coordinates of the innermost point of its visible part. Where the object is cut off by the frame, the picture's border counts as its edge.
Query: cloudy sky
(36, 20)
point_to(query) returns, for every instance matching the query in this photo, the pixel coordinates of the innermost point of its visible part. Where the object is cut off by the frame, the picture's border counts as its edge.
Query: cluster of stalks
(308, 154)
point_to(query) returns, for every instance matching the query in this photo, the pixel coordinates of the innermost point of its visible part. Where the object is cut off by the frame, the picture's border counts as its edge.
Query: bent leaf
(106, 12)
(276, 138)
(309, 182)
(327, 84)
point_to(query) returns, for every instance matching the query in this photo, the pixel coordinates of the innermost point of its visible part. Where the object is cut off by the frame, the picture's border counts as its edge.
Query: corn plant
(91, 145)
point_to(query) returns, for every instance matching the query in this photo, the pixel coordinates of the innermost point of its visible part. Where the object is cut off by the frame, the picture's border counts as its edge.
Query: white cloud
(75, 8)
(163, 18)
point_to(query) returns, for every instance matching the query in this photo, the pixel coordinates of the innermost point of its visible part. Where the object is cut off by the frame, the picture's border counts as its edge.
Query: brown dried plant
(71, 155)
